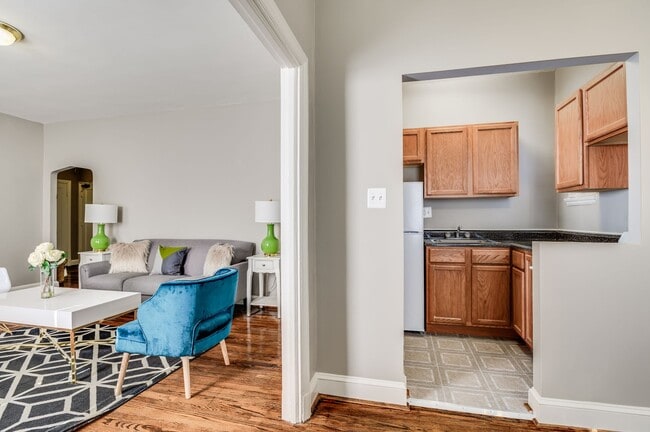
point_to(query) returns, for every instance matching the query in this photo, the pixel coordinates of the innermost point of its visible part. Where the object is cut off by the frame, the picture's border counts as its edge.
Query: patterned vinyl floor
(485, 373)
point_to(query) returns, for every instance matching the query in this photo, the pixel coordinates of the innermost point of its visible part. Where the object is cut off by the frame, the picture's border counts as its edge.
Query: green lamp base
(100, 241)
(270, 244)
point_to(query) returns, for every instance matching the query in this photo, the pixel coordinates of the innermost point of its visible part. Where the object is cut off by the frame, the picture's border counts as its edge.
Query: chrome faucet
(458, 232)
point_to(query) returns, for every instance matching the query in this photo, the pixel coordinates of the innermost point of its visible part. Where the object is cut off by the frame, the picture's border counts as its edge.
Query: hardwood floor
(245, 396)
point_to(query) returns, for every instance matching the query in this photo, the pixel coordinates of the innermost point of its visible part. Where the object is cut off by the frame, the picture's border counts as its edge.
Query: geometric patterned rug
(35, 389)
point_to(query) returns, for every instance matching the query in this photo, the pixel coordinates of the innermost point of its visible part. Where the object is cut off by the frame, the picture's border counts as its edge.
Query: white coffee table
(70, 309)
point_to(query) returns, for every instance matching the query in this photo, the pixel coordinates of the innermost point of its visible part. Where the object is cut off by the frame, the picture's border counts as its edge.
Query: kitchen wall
(609, 212)
(21, 177)
(186, 174)
(524, 97)
(363, 48)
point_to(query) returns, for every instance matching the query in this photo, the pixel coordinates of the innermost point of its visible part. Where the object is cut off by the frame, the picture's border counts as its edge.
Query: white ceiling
(83, 59)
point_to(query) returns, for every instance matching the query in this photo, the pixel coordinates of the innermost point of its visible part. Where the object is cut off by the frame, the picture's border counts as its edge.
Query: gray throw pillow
(172, 263)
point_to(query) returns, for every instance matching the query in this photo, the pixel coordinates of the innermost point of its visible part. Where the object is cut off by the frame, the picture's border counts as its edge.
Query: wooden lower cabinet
(528, 295)
(491, 295)
(522, 295)
(468, 291)
(518, 302)
(446, 303)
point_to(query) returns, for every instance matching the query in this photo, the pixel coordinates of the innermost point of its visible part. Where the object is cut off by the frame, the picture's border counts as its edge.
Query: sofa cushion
(219, 255)
(146, 284)
(129, 257)
(109, 281)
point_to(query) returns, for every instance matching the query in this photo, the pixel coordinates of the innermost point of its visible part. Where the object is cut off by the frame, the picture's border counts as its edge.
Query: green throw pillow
(169, 260)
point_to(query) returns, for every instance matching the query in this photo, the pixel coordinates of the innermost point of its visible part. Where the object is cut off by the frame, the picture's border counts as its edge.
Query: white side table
(91, 257)
(262, 264)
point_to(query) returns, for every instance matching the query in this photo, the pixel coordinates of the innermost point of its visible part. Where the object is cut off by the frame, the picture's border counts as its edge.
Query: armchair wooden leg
(224, 351)
(120, 378)
(186, 376)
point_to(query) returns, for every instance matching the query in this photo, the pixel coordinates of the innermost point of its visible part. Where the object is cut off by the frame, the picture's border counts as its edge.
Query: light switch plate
(427, 213)
(376, 197)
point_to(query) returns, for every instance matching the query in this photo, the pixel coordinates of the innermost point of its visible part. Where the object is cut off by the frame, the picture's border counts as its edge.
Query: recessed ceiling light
(9, 34)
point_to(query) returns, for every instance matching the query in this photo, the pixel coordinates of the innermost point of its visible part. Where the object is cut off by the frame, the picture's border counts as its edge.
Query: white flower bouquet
(45, 257)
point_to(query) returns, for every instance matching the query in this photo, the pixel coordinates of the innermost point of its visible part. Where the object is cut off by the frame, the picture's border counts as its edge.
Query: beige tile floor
(485, 373)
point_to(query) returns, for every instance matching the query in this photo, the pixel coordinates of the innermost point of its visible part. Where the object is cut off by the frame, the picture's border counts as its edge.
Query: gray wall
(185, 174)
(523, 97)
(21, 168)
(609, 212)
(363, 48)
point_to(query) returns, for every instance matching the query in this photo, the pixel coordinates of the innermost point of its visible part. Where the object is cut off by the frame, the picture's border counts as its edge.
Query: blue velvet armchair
(184, 318)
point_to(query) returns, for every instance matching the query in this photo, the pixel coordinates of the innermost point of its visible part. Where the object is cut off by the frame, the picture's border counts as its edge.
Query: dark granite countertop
(522, 239)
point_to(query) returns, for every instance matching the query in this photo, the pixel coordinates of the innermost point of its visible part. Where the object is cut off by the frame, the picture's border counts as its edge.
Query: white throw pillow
(219, 255)
(129, 257)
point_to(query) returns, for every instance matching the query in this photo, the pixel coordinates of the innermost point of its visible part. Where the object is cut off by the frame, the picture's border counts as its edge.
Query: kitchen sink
(460, 241)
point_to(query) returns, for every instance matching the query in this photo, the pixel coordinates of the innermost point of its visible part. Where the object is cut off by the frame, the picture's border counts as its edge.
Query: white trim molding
(588, 414)
(266, 21)
(390, 392)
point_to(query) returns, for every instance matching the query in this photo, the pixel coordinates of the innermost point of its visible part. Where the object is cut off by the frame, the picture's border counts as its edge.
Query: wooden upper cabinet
(495, 159)
(472, 160)
(605, 105)
(446, 163)
(413, 146)
(568, 143)
(591, 136)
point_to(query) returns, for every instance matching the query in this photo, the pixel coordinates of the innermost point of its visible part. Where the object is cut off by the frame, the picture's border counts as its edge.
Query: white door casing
(266, 21)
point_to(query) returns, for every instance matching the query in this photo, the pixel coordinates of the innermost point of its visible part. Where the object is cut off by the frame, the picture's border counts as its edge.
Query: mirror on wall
(74, 189)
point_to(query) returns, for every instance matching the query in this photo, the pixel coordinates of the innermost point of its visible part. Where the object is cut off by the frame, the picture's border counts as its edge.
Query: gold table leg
(73, 359)
(70, 358)
(4, 328)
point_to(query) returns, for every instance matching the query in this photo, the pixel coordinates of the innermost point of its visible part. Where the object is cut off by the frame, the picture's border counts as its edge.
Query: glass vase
(47, 282)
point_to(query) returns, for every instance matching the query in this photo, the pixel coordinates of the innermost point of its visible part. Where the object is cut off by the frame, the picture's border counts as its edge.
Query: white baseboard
(390, 392)
(588, 414)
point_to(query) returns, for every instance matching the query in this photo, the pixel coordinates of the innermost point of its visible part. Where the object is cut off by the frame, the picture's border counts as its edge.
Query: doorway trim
(267, 22)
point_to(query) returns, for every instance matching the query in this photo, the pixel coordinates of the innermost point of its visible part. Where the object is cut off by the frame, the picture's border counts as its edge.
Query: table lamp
(100, 214)
(268, 212)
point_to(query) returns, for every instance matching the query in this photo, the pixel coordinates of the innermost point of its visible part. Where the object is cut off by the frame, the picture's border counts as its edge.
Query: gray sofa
(96, 276)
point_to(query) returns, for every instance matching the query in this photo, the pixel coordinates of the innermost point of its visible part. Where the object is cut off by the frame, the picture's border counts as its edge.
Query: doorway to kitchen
(472, 352)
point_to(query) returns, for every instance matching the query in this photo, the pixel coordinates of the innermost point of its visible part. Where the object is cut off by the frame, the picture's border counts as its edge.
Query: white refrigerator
(413, 256)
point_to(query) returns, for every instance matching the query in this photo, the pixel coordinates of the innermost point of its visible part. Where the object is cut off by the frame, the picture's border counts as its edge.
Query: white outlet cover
(376, 197)
(427, 212)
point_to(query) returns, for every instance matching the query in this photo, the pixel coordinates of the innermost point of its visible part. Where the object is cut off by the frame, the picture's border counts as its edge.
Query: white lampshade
(267, 212)
(101, 213)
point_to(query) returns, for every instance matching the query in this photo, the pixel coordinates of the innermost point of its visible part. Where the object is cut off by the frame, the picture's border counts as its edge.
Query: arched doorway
(74, 189)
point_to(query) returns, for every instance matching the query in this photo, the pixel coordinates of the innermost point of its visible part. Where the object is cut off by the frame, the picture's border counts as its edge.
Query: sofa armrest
(242, 268)
(89, 270)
